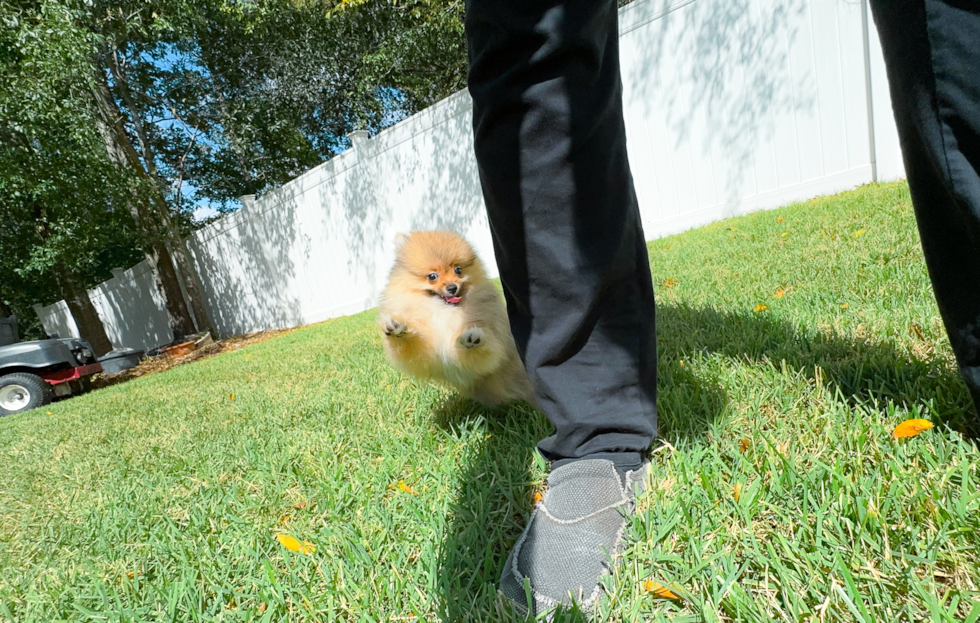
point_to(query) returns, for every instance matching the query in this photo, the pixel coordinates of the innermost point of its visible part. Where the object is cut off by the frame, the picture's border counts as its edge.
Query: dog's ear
(400, 241)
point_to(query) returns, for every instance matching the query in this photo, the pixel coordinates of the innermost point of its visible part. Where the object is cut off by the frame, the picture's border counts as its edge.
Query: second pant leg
(932, 55)
(551, 146)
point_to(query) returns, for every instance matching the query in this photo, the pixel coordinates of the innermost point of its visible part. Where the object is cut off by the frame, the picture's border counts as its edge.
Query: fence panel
(57, 320)
(736, 105)
(130, 306)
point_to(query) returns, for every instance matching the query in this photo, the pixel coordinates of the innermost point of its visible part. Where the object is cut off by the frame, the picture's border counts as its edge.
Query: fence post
(359, 139)
(886, 151)
(869, 92)
(368, 182)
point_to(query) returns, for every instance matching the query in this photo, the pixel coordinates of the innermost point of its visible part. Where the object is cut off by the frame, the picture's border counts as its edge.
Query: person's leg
(932, 55)
(551, 147)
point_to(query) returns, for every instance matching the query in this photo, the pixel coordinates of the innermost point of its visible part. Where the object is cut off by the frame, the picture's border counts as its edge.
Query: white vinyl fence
(731, 106)
(130, 306)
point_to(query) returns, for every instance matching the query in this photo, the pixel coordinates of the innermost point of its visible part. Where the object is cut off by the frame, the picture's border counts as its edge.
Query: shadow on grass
(862, 370)
(496, 495)
(495, 498)
(493, 502)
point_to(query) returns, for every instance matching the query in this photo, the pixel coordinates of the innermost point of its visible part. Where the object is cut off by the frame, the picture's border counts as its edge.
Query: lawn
(791, 343)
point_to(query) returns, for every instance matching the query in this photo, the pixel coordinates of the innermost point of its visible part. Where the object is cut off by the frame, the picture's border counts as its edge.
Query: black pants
(932, 53)
(551, 147)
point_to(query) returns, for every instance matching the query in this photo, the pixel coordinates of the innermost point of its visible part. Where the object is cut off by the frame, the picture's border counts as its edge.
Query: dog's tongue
(453, 300)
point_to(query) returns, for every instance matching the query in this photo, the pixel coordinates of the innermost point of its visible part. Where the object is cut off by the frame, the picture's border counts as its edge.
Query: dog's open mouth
(448, 299)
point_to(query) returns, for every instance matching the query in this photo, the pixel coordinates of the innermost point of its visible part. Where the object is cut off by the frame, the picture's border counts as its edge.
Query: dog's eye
(458, 270)
(433, 276)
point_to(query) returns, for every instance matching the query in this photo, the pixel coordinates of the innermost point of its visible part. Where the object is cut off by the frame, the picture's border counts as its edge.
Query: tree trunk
(122, 152)
(167, 280)
(192, 281)
(82, 310)
(178, 245)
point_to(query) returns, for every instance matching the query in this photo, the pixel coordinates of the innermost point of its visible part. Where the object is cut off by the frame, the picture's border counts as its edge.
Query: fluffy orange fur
(445, 322)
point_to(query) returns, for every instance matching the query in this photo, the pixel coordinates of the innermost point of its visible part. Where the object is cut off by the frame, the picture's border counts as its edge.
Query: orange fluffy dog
(444, 321)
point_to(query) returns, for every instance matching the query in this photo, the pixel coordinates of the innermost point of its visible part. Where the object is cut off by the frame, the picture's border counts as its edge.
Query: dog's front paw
(395, 328)
(474, 337)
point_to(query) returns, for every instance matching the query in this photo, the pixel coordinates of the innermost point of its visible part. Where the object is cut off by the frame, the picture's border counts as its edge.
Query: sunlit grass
(776, 493)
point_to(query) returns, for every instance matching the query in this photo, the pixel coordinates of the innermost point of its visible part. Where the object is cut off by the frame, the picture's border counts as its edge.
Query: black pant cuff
(624, 461)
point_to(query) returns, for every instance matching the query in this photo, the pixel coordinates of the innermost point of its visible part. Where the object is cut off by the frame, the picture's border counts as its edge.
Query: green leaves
(61, 202)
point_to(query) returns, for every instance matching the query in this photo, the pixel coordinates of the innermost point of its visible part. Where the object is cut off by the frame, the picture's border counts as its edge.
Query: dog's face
(438, 264)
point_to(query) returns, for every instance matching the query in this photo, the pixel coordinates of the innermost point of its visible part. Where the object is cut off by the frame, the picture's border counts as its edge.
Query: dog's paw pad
(472, 338)
(395, 328)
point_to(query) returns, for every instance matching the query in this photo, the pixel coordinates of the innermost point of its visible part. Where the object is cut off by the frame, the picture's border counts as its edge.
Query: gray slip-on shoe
(572, 538)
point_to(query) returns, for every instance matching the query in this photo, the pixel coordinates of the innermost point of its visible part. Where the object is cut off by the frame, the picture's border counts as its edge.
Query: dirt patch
(162, 363)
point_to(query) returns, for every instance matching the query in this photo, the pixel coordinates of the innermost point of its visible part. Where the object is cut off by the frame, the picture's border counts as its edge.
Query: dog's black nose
(451, 288)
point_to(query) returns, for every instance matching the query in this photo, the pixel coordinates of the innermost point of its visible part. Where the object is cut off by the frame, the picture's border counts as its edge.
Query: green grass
(776, 493)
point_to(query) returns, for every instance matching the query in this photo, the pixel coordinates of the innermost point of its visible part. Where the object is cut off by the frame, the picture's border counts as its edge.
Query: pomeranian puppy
(444, 321)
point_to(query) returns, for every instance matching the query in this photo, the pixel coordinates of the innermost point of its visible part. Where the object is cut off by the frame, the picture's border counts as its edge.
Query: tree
(61, 201)
(233, 98)
(59, 239)
(150, 213)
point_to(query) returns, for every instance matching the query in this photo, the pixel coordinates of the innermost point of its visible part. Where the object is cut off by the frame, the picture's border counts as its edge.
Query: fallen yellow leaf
(670, 282)
(659, 590)
(537, 497)
(743, 445)
(49, 413)
(404, 487)
(231, 396)
(737, 491)
(844, 305)
(911, 428)
(779, 219)
(261, 607)
(759, 308)
(294, 545)
(780, 293)
(859, 233)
